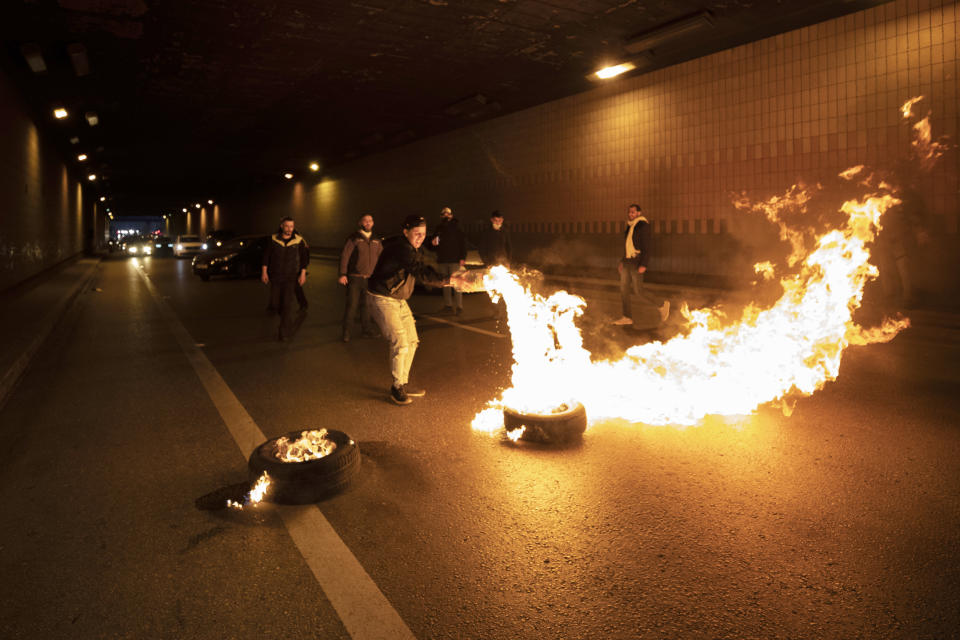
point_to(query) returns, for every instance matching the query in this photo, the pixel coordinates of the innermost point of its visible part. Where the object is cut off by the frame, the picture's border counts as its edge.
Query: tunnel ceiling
(196, 97)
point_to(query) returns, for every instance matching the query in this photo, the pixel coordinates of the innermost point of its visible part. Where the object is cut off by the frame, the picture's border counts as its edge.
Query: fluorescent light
(314, 166)
(82, 157)
(78, 58)
(656, 37)
(59, 113)
(34, 57)
(615, 70)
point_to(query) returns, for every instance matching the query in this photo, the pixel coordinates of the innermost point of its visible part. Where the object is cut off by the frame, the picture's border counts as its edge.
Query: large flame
(718, 366)
(255, 495)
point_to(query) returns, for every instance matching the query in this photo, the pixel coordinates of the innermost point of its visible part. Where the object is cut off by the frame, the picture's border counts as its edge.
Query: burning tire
(307, 481)
(562, 426)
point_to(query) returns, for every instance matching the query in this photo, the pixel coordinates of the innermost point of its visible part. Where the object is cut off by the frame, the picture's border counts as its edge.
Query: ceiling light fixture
(669, 31)
(615, 70)
(92, 118)
(314, 166)
(197, 205)
(92, 177)
(82, 157)
(103, 198)
(34, 57)
(59, 113)
(78, 58)
(209, 201)
(184, 209)
(288, 176)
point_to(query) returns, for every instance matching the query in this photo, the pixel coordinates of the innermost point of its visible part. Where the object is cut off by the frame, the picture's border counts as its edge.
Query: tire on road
(560, 427)
(310, 481)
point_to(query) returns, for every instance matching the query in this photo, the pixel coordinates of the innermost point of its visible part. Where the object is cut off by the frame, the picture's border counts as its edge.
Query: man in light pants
(399, 267)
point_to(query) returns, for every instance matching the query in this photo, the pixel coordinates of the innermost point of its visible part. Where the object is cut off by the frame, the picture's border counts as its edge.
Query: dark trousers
(357, 300)
(301, 296)
(282, 295)
(631, 282)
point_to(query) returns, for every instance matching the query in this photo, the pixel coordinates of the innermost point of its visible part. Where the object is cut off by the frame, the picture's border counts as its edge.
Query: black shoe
(399, 396)
(346, 336)
(414, 392)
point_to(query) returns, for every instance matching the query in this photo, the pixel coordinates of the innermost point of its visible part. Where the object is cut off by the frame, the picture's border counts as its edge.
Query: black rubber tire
(552, 428)
(310, 481)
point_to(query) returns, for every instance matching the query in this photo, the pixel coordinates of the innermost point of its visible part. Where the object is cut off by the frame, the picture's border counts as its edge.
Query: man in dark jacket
(450, 244)
(388, 288)
(495, 247)
(633, 265)
(285, 261)
(357, 260)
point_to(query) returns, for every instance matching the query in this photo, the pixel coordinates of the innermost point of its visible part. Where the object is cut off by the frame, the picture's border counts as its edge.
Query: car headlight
(132, 249)
(159, 245)
(146, 250)
(204, 246)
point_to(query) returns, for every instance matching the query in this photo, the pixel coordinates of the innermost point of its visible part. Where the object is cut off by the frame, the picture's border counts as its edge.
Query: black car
(241, 257)
(162, 246)
(216, 239)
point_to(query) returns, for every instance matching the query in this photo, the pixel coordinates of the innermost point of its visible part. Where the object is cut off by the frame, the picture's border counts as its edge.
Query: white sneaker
(624, 320)
(664, 310)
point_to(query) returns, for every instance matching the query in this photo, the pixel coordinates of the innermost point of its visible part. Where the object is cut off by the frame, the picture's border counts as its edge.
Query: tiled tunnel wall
(43, 219)
(681, 141)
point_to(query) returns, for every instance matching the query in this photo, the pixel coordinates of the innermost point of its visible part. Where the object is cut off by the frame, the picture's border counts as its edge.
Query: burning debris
(926, 150)
(306, 466)
(255, 495)
(719, 365)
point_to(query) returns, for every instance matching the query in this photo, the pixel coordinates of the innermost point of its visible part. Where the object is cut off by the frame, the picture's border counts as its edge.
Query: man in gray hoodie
(357, 260)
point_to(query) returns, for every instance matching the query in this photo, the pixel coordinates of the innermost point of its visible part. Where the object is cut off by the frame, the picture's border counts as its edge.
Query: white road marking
(465, 327)
(362, 607)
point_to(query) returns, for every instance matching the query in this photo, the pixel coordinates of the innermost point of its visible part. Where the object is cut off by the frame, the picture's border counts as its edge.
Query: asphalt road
(841, 521)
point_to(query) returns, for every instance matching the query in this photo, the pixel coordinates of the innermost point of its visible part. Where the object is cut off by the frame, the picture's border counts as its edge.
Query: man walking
(357, 260)
(388, 288)
(634, 264)
(285, 261)
(450, 245)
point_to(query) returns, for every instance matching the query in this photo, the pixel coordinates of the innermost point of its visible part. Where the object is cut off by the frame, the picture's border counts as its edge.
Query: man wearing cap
(633, 265)
(399, 267)
(450, 244)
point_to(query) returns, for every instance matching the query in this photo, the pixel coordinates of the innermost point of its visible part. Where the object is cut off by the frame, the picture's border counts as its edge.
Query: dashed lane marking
(465, 327)
(362, 607)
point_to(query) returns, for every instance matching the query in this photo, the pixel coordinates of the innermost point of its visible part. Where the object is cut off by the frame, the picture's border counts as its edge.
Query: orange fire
(926, 150)
(309, 446)
(718, 366)
(255, 495)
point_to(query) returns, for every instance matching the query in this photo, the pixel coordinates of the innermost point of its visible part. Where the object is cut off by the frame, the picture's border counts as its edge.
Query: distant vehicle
(241, 257)
(216, 238)
(187, 246)
(138, 246)
(162, 246)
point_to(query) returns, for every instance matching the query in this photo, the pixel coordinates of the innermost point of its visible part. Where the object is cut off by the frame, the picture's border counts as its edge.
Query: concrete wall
(801, 106)
(43, 216)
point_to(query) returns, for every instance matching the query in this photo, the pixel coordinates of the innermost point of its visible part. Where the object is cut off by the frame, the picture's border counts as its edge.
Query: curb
(14, 373)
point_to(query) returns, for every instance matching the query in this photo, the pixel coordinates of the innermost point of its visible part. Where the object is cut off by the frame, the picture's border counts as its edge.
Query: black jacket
(453, 243)
(495, 247)
(359, 255)
(641, 242)
(285, 259)
(398, 268)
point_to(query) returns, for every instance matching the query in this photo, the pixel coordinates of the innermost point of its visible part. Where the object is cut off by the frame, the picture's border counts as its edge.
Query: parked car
(241, 257)
(187, 246)
(216, 238)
